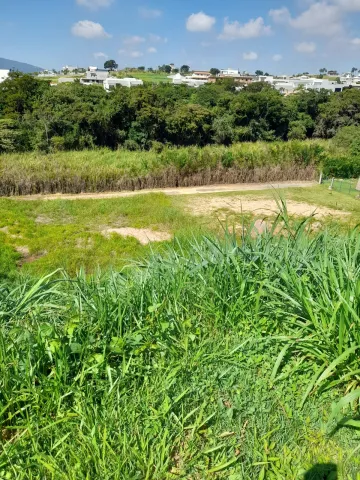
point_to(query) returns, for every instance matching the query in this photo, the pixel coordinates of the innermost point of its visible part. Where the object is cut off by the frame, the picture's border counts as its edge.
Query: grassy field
(107, 170)
(44, 235)
(222, 354)
(219, 359)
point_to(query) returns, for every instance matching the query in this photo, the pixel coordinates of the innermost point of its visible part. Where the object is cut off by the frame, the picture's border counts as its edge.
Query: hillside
(6, 64)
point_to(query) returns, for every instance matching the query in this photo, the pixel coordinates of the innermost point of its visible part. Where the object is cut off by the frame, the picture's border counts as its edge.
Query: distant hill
(6, 64)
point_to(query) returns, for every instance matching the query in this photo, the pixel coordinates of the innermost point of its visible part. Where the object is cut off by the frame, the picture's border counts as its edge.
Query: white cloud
(149, 13)
(100, 55)
(88, 29)
(355, 41)
(348, 5)
(253, 29)
(305, 47)
(200, 22)
(277, 57)
(250, 56)
(133, 40)
(281, 15)
(157, 39)
(321, 18)
(206, 44)
(152, 50)
(132, 53)
(136, 54)
(94, 4)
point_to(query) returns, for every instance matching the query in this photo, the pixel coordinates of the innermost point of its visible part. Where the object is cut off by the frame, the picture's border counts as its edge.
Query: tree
(259, 72)
(142, 69)
(151, 70)
(323, 70)
(185, 69)
(353, 71)
(110, 65)
(164, 68)
(65, 71)
(214, 71)
(175, 70)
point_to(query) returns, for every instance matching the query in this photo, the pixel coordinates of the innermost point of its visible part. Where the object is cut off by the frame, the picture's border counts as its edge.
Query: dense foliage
(199, 364)
(36, 116)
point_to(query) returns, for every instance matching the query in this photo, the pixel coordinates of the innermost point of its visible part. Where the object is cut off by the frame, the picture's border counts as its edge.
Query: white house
(190, 80)
(110, 83)
(4, 75)
(230, 72)
(95, 77)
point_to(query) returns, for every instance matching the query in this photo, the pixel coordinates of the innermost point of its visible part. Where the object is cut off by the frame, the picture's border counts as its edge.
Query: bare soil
(263, 206)
(143, 235)
(237, 187)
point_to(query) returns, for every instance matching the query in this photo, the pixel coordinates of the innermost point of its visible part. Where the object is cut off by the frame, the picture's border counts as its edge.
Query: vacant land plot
(111, 232)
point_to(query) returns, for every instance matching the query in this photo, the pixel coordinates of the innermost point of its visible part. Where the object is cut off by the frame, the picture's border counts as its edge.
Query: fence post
(332, 183)
(321, 177)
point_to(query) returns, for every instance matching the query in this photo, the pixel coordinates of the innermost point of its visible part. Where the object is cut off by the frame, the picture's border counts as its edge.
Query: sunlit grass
(218, 358)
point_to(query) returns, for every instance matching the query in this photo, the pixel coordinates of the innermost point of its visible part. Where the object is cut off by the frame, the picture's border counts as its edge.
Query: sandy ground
(143, 235)
(263, 206)
(237, 187)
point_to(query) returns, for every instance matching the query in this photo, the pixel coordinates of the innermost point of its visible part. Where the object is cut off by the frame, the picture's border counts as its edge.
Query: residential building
(239, 78)
(95, 77)
(111, 83)
(189, 80)
(332, 73)
(229, 72)
(4, 75)
(201, 75)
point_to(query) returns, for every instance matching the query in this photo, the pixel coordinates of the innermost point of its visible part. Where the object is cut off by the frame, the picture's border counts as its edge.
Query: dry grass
(105, 170)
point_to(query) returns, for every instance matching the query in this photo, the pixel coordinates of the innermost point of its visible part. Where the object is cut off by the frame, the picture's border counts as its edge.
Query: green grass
(200, 363)
(68, 234)
(347, 186)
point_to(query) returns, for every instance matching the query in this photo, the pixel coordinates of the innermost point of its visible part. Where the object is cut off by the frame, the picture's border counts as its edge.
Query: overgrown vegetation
(218, 359)
(36, 116)
(105, 170)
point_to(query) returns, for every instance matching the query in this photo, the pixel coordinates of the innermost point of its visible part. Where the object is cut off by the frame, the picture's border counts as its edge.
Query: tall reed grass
(105, 170)
(178, 366)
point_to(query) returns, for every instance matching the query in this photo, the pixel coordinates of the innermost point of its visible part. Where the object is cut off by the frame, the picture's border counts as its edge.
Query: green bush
(342, 167)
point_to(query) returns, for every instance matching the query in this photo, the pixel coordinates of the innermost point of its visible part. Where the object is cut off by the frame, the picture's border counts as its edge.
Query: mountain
(6, 64)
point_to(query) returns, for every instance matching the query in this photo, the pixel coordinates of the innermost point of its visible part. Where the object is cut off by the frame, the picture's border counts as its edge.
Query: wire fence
(347, 186)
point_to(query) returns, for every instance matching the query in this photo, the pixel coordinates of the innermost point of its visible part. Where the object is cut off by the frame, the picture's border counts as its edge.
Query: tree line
(36, 116)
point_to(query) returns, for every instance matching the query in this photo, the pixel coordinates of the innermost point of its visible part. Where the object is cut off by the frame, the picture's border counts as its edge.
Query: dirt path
(238, 187)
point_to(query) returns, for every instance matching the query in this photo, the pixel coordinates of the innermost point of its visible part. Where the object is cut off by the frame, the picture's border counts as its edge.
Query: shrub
(342, 167)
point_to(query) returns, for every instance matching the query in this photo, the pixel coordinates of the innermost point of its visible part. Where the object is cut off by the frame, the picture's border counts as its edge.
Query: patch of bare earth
(26, 257)
(206, 206)
(43, 220)
(143, 235)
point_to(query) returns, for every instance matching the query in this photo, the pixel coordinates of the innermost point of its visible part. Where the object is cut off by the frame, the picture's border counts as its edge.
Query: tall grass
(193, 364)
(101, 170)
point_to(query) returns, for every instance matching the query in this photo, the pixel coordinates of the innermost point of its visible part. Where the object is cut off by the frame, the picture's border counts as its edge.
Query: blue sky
(280, 36)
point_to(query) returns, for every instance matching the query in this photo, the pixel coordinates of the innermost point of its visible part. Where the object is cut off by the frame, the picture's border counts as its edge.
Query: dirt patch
(26, 256)
(143, 235)
(43, 219)
(24, 251)
(84, 243)
(202, 206)
(4, 230)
